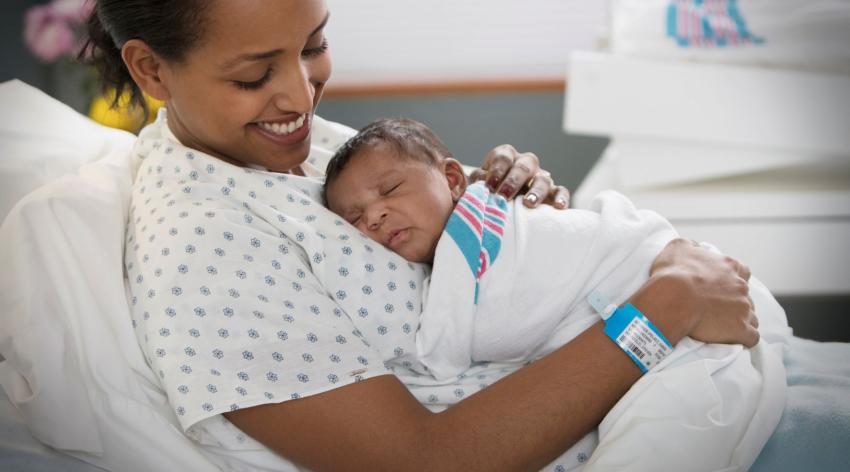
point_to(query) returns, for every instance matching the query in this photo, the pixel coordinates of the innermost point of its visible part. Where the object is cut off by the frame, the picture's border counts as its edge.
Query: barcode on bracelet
(643, 343)
(636, 350)
(624, 341)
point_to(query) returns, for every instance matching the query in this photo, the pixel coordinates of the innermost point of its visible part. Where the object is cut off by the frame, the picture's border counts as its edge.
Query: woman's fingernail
(531, 198)
(506, 191)
(562, 202)
(493, 183)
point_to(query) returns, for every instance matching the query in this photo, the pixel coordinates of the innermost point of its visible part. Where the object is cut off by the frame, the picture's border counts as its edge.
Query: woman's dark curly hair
(170, 27)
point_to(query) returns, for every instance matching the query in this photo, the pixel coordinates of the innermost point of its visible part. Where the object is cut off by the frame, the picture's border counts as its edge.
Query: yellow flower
(123, 116)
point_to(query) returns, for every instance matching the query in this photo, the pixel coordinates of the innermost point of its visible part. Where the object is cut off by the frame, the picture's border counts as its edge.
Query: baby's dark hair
(409, 138)
(170, 27)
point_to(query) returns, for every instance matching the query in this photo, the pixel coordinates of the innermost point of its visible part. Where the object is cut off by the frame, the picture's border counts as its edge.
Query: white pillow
(42, 139)
(73, 366)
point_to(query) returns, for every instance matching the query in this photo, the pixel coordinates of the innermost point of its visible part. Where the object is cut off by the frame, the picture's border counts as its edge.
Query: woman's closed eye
(256, 84)
(317, 51)
(307, 54)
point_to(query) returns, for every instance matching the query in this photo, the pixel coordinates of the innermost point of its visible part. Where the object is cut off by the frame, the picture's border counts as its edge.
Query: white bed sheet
(20, 451)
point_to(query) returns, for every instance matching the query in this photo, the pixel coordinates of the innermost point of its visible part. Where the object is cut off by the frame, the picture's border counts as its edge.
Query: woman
(241, 81)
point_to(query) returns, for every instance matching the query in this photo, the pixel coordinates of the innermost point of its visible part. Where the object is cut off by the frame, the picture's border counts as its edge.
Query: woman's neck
(188, 140)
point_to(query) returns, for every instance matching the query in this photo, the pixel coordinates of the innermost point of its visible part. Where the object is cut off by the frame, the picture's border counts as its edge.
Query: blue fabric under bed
(814, 432)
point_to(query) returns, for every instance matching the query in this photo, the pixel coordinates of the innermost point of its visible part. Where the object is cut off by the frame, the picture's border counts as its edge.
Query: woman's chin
(282, 159)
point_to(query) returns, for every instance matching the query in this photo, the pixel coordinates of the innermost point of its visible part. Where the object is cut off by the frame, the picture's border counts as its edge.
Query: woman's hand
(508, 172)
(715, 292)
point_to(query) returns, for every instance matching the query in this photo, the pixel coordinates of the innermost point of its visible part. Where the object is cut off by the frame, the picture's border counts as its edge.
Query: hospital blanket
(815, 428)
(510, 285)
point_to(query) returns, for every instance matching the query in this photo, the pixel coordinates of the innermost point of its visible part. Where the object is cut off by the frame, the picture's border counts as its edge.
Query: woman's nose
(296, 91)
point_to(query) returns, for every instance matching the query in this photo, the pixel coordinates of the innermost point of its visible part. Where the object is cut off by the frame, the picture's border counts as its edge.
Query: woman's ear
(455, 176)
(146, 68)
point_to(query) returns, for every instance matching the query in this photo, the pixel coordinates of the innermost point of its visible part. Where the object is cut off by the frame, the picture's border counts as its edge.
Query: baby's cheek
(370, 234)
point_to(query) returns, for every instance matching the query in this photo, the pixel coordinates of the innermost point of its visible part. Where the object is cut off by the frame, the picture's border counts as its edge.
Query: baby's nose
(376, 219)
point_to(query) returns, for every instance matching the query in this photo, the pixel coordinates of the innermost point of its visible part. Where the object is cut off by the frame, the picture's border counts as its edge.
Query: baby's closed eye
(391, 188)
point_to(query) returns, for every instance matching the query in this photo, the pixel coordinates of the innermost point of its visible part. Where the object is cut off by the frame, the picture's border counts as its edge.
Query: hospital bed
(77, 393)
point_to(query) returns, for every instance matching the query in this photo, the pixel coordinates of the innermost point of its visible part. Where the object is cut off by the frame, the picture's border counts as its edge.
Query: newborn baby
(509, 284)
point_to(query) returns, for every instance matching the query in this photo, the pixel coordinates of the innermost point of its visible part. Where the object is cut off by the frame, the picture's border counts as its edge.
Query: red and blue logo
(708, 23)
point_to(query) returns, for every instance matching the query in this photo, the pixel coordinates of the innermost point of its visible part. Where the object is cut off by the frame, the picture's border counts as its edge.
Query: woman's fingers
(744, 272)
(477, 174)
(497, 164)
(716, 291)
(540, 189)
(525, 166)
(509, 172)
(559, 197)
(752, 335)
(754, 319)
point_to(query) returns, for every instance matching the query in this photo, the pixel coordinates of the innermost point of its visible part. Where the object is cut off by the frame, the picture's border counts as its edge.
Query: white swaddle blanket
(531, 272)
(511, 284)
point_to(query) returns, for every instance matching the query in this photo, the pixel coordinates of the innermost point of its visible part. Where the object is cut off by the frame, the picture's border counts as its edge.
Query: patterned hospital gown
(245, 290)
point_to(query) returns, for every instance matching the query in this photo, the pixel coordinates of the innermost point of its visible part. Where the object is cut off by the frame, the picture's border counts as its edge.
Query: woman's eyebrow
(259, 56)
(249, 57)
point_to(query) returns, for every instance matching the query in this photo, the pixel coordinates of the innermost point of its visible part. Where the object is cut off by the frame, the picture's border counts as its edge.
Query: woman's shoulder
(327, 137)
(330, 135)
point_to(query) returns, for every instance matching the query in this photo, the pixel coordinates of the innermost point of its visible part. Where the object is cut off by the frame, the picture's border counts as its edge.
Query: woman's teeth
(284, 128)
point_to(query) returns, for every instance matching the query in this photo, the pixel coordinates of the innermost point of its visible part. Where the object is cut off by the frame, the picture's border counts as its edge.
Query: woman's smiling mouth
(283, 128)
(289, 132)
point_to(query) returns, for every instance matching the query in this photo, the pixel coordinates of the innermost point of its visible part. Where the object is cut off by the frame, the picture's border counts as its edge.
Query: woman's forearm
(531, 417)
(522, 422)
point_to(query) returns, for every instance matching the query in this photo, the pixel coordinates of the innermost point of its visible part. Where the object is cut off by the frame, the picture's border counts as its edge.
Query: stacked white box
(755, 160)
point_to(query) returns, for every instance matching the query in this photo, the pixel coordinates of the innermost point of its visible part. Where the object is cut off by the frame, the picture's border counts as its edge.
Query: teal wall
(472, 124)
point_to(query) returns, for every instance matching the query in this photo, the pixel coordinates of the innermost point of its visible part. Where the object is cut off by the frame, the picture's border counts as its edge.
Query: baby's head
(397, 183)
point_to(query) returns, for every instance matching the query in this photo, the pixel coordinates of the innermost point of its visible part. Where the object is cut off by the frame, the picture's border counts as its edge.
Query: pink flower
(47, 35)
(75, 11)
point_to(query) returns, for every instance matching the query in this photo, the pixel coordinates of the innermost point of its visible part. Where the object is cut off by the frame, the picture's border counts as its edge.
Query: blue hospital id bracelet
(637, 336)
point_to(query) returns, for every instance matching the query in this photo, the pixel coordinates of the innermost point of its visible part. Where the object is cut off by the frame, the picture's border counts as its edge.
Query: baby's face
(399, 202)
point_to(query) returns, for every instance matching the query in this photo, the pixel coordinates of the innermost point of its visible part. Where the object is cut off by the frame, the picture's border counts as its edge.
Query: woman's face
(247, 92)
